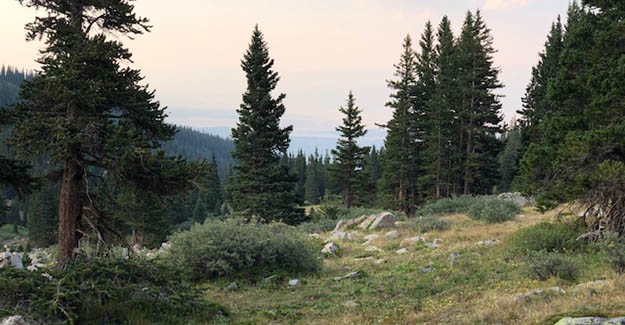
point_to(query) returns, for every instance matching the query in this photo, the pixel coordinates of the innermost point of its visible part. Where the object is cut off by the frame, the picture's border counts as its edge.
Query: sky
(322, 50)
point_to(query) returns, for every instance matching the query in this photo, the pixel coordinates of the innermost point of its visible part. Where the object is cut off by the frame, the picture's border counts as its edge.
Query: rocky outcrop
(517, 198)
(372, 222)
(591, 321)
(330, 249)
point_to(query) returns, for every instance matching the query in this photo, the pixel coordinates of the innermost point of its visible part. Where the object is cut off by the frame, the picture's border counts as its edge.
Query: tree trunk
(70, 210)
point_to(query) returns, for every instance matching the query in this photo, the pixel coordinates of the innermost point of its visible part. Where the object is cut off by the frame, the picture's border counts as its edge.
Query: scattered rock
(427, 269)
(340, 235)
(16, 320)
(517, 198)
(372, 237)
(392, 234)
(11, 259)
(591, 321)
(351, 275)
(489, 242)
(368, 258)
(383, 220)
(402, 251)
(366, 222)
(330, 249)
(372, 249)
(412, 241)
(380, 262)
(315, 235)
(232, 286)
(454, 256)
(539, 292)
(351, 304)
(431, 245)
(294, 283)
(590, 286)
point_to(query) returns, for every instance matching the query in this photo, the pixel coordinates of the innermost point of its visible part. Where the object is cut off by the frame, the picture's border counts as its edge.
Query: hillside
(472, 277)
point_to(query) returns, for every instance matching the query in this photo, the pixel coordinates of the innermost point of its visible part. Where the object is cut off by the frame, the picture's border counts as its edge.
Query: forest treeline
(118, 165)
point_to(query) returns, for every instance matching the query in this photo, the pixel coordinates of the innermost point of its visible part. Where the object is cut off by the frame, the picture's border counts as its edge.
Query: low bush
(318, 226)
(238, 248)
(104, 291)
(457, 204)
(430, 223)
(548, 237)
(493, 210)
(543, 265)
(613, 246)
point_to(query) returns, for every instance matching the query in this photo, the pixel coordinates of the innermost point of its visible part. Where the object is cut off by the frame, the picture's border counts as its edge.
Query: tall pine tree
(261, 186)
(89, 112)
(348, 155)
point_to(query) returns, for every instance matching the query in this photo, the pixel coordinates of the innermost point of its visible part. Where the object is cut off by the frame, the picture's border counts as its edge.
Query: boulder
(330, 249)
(383, 220)
(489, 242)
(402, 251)
(342, 225)
(517, 198)
(380, 262)
(16, 320)
(412, 241)
(315, 235)
(351, 275)
(392, 234)
(232, 287)
(539, 292)
(366, 222)
(592, 286)
(591, 321)
(372, 249)
(294, 283)
(340, 235)
(427, 269)
(11, 259)
(372, 237)
(432, 245)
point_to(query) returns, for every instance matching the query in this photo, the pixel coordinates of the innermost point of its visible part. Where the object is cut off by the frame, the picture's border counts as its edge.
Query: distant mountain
(321, 141)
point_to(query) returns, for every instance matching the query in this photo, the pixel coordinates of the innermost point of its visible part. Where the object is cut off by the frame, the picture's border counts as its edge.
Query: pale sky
(322, 49)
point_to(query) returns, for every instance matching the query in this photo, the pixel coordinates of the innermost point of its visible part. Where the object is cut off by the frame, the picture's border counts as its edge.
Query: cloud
(501, 4)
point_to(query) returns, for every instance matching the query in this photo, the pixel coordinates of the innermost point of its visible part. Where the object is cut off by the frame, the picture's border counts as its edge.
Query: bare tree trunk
(70, 210)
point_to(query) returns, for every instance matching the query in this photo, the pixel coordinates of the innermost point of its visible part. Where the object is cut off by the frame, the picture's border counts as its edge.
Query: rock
(344, 224)
(400, 223)
(34, 267)
(454, 256)
(427, 269)
(11, 259)
(232, 286)
(380, 262)
(517, 198)
(539, 292)
(412, 241)
(340, 235)
(590, 286)
(590, 321)
(294, 283)
(16, 320)
(16, 261)
(330, 249)
(402, 251)
(351, 275)
(315, 235)
(360, 259)
(372, 249)
(437, 241)
(392, 234)
(366, 222)
(372, 237)
(351, 304)
(431, 245)
(489, 242)
(383, 220)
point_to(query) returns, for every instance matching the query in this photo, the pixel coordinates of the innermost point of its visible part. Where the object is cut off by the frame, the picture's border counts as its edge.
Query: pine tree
(313, 180)
(509, 158)
(88, 111)
(441, 150)
(399, 177)
(261, 186)
(480, 108)
(301, 171)
(348, 156)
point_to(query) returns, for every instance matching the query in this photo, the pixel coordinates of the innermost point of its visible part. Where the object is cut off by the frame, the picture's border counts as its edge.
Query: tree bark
(70, 211)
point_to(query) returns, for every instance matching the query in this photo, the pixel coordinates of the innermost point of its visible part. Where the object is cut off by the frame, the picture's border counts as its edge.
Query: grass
(479, 287)
(7, 233)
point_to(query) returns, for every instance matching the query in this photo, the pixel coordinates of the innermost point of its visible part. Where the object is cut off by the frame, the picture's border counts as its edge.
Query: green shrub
(613, 246)
(493, 210)
(319, 226)
(238, 248)
(104, 291)
(544, 265)
(457, 204)
(548, 237)
(430, 223)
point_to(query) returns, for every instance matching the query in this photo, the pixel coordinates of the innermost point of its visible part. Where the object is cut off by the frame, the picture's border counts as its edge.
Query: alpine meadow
(153, 170)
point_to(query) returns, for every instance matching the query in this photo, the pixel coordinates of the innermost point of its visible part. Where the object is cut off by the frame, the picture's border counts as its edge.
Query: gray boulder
(591, 321)
(517, 198)
(330, 249)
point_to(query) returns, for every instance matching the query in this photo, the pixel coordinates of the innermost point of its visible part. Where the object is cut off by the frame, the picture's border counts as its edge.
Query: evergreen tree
(88, 111)
(301, 172)
(313, 181)
(348, 156)
(441, 150)
(213, 194)
(42, 217)
(509, 158)
(399, 177)
(261, 186)
(480, 108)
